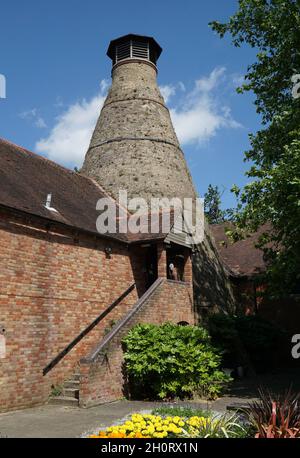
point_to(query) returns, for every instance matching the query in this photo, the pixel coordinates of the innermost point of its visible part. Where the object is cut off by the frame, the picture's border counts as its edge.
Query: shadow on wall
(212, 287)
(284, 312)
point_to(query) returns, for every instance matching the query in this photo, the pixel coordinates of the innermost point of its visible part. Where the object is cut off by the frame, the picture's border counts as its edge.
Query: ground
(57, 421)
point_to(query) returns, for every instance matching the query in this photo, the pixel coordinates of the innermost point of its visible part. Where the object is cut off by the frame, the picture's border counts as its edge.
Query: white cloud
(29, 114)
(181, 86)
(69, 139)
(58, 102)
(238, 80)
(208, 83)
(200, 113)
(33, 116)
(167, 91)
(197, 114)
(40, 123)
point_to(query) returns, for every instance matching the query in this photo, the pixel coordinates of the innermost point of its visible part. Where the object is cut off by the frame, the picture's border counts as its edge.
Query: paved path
(58, 421)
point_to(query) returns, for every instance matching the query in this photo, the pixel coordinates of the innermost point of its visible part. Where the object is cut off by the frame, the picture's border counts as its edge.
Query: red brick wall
(283, 313)
(53, 283)
(102, 381)
(246, 300)
(161, 261)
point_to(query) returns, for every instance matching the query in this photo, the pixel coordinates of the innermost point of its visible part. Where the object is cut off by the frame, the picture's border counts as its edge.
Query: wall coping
(178, 282)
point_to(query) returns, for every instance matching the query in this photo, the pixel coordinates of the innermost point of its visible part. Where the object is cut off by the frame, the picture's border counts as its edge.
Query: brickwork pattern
(103, 380)
(52, 285)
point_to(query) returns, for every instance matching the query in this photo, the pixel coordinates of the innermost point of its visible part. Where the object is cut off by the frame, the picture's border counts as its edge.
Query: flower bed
(272, 416)
(156, 426)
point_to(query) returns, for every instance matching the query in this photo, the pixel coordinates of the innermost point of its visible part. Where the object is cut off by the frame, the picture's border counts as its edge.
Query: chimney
(134, 146)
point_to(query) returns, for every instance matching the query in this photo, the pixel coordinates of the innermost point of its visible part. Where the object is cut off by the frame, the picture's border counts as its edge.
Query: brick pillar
(161, 261)
(188, 277)
(188, 269)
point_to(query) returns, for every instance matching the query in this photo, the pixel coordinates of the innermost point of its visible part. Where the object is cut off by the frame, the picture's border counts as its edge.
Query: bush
(259, 338)
(185, 412)
(171, 361)
(225, 337)
(276, 416)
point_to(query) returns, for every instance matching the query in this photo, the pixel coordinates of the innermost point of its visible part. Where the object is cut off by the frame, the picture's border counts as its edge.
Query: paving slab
(51, 421)
(54, 421)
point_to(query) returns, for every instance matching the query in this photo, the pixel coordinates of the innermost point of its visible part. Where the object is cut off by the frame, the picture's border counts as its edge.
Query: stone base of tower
(134, 146)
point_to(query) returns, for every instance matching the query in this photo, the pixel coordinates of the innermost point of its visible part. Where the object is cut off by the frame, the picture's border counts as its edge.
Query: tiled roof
(27, 178)
(241, 258)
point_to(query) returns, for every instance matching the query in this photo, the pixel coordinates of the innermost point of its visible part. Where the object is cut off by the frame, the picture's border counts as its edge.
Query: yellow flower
(145, 426)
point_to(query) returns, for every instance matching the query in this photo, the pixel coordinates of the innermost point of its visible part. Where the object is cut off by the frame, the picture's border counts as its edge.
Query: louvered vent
(140, 49)
(123, 51)
(134, 47)
(132, 50)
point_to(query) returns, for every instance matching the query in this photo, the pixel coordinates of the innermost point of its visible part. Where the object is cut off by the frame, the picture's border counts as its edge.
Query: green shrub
(184, 412)
(56, 390)
(171, 361)
(259, 338)
(224, 337)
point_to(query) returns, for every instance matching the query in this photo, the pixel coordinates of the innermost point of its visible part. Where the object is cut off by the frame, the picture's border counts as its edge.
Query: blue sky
(53, 55)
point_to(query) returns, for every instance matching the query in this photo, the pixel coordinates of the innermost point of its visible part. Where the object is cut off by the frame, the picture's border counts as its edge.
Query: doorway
(176, 256)
(151, 265)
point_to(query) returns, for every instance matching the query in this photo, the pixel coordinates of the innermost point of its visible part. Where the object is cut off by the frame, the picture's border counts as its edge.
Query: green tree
(272, 197)
(212, 205)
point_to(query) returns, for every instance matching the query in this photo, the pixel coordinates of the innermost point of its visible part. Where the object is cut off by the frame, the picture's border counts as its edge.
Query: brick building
(69, 294)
